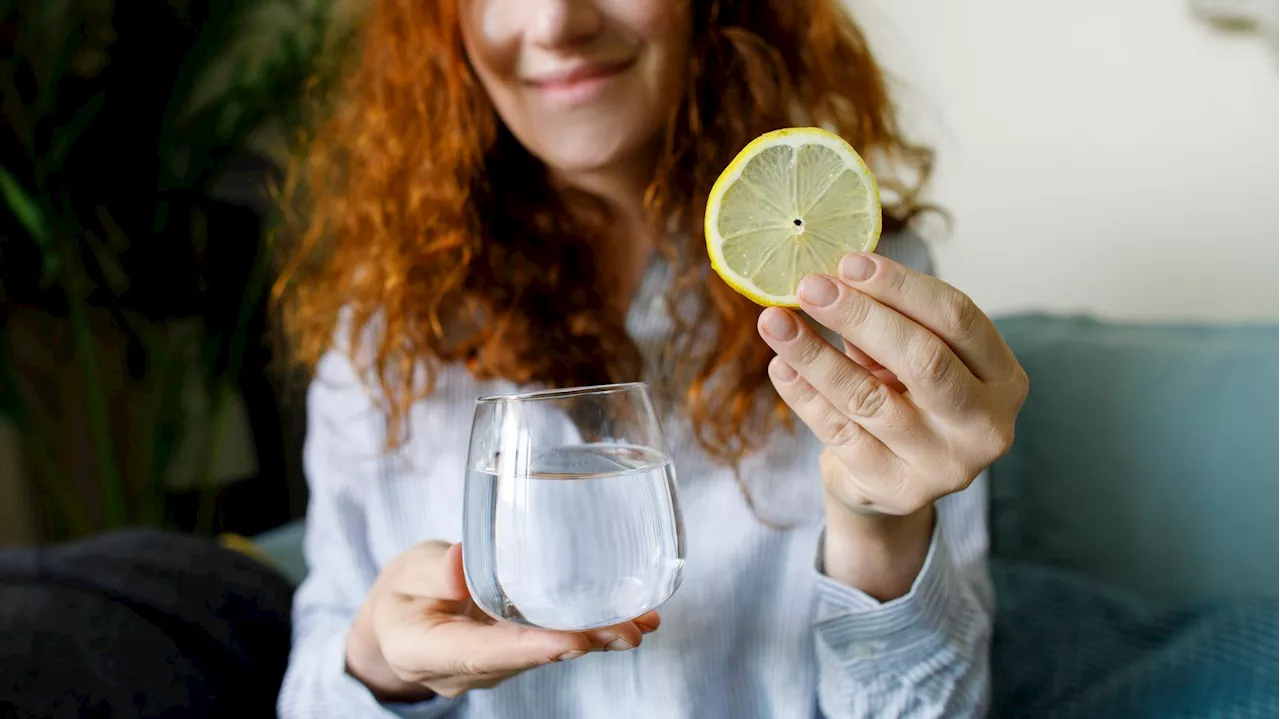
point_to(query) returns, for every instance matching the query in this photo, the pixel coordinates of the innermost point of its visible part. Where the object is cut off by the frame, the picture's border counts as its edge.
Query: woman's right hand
(419, 633)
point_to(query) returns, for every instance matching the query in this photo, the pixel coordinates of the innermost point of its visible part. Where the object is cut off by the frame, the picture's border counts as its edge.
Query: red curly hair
(402, 208)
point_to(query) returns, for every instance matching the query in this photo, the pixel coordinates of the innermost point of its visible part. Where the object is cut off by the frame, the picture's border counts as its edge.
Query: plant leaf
(23, 207)
(31, 218)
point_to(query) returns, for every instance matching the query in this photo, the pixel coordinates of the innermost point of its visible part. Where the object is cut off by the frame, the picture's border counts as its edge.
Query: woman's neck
(620, 186)
(626, 245)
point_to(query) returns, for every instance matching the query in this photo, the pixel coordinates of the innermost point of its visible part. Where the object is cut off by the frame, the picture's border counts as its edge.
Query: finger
(617, 638)
(934, 375)
(465, 647)
(867, 455)
(937, 306)
(630, 634)
(867, 362)
(854, 393)
(649, 622)
(427, 644)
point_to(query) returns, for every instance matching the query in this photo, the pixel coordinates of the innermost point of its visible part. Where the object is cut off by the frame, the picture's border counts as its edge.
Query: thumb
(454, 578)
(433, 570)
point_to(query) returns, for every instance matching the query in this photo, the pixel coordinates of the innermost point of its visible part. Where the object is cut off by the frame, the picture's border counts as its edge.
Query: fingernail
(617, 645)
(818, 291)
(857, 268)
(570, 655)
(782, 371)
(779, 324)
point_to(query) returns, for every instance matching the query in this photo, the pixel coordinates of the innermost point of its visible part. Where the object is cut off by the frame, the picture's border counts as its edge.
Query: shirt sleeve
(345, 437)
(925, 654)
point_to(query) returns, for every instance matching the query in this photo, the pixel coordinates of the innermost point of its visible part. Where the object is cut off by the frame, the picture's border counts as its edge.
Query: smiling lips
(579, 85)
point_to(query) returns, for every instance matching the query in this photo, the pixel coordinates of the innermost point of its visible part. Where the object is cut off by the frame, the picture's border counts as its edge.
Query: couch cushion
(1146, 456)
(283, 548)
(1066, 646)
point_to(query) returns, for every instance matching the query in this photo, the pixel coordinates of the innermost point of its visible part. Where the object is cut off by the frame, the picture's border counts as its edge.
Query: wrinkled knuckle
(843, 432)
(472, 668)
(869, 398)
(857, 308)
(805, 399)
(933, 362)
(964, 315)
(894, 278)
(808, 350)
(797, 394)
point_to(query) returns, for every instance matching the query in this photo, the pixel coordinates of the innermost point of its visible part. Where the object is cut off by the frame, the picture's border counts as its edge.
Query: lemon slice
(792, 203)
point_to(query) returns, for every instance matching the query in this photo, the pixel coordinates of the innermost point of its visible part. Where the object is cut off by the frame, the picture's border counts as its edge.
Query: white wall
(1111, 157)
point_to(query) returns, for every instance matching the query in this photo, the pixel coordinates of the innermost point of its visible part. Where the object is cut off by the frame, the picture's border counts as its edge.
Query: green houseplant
(131, 284)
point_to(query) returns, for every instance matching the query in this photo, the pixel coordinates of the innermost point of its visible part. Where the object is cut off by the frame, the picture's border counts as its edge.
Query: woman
(508, 194)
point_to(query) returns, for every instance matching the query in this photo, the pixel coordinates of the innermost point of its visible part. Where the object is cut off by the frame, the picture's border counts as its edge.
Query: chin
(589, 150)
(581, 162)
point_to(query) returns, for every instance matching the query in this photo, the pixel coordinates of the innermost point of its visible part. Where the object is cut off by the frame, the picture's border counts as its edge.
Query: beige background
(1112, 157)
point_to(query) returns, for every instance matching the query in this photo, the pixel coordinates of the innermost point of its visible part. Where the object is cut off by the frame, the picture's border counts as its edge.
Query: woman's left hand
(921, 400)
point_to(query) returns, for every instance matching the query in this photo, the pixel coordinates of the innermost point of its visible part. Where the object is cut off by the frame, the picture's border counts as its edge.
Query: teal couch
(1145, 457)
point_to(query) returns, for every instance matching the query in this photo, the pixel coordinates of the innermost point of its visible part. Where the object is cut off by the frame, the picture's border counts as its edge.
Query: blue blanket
(1068, 647)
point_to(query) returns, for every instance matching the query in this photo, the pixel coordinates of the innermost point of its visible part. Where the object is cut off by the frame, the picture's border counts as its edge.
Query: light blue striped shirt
(755, 630)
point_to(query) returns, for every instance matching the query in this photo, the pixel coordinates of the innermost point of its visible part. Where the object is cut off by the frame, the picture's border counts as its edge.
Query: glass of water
(571, 517)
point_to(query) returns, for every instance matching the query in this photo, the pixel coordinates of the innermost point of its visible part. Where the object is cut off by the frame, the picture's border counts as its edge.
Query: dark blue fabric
(1066, 646)
(140, 624)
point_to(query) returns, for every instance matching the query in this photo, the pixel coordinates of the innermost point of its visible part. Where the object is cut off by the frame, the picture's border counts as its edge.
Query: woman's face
(583, 84)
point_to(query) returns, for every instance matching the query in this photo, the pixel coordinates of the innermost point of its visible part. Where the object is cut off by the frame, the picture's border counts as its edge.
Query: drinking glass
(571, 516)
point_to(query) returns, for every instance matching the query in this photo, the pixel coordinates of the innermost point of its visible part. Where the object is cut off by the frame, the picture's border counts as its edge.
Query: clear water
(589, 536)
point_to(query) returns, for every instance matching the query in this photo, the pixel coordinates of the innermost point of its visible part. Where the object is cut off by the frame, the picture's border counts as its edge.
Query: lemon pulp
(792, 203)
